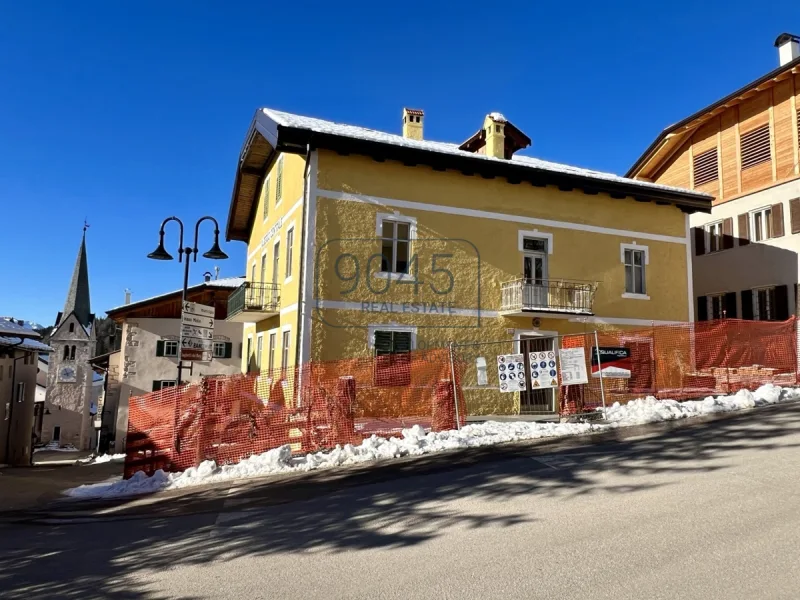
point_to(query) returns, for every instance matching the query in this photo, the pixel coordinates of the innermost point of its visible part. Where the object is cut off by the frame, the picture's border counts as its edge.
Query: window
(276, 261)
(264, 268)
(705, 167)
(716, 306)
(761, 225)
(395, 246)
(253, 273)
(72, 353)
(220, 350)
(72, 327)
(755, 147)
(634, 271)
(167, 348)
(21, 391)
(249, 353)
(279, 183)
(162, 384)
(66, 352)
(259, 348)
(266, 199)
(289, 245)
(273, 338)
(714, 235)
(764, 304)
(392, 357)
(285, 349)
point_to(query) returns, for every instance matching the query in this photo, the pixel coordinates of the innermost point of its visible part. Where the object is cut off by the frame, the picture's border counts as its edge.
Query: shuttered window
(266, 199)
(794, 214)
(279, 182)
(393, 358)
(755, 147)
(705, 167)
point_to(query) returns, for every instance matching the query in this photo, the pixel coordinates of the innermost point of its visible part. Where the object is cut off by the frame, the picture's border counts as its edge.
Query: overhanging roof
(652, 148)
(273, 131)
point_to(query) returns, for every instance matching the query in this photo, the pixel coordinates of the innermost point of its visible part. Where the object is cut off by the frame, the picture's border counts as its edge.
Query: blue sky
(126, 113)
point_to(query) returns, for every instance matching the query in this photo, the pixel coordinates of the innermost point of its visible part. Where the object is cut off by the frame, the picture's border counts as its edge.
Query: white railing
(554, 295)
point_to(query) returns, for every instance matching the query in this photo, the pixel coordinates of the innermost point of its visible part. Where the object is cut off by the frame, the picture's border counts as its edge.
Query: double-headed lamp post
(160, 253)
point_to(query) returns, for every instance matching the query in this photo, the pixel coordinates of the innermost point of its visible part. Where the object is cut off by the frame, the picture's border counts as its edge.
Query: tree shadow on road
(403, 504)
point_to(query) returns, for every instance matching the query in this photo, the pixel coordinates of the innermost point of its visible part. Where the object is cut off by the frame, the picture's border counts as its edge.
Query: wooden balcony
(253, 302)
(521, 297)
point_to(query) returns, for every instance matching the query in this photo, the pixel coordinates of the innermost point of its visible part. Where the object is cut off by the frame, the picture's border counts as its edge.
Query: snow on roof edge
(227, 283)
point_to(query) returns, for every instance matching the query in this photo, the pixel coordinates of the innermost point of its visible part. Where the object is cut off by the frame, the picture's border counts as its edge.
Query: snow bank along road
(415, 441)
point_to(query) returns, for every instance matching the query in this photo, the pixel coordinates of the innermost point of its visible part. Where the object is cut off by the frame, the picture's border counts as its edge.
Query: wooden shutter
(705, 167)
(747, 304)
(402, 341)
(156, 383)
(702, 308)
(160, 348)
(776, 214)
(744, 229)
(727, 233)
(794, 214)
(383, 342)
(781, 302)
(699, 241)
(755, 146)
(228, 350)
(730, 305)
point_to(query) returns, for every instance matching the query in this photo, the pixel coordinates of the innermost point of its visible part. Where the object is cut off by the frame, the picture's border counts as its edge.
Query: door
(534, 274)
(533, 401)
(56, 433)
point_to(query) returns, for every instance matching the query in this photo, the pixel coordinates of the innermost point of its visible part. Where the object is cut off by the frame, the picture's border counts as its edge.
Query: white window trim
(258, 359)
(412, 236)
(754, 294)
(710, 303)
(214, 345)
(634, 246)
(286, 253)
(281, 347)
(521, 235)
(751, 215)
(390, 327)
(707, 237)
(270, 333)
(277, 244)
(177, 349)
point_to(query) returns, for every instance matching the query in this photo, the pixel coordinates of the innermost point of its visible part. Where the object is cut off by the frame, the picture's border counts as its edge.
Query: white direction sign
(573, 366)
(201, 310)
(543, 369)
(197, 331)
(511, 372)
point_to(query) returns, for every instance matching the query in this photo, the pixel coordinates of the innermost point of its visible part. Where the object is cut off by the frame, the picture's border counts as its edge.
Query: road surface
(709, 511)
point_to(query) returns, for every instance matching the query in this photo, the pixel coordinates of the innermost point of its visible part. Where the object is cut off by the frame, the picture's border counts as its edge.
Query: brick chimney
(413, 121)
(494, 126)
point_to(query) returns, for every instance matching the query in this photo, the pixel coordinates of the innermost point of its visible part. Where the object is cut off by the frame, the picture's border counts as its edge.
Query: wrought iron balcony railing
(254, 300)
(547, 295)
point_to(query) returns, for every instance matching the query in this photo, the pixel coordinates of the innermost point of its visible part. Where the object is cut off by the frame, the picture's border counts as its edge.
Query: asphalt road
(709, 511)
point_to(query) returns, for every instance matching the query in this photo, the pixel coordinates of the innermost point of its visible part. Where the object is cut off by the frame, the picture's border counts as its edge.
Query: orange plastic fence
(316, 406)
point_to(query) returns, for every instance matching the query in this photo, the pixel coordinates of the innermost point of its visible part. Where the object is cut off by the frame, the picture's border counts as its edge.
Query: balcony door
(534, 273)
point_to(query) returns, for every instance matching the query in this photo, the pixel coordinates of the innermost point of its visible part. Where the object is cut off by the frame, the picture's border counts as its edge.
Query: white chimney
(127, 296)
(788, 46)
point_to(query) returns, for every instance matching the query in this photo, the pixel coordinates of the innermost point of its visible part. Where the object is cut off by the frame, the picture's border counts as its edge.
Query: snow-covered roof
(362, 133)
(9, 325)
(224, 283)
(27, 343)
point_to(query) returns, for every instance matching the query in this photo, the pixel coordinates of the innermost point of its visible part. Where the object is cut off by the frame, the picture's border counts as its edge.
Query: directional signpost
(197, 332)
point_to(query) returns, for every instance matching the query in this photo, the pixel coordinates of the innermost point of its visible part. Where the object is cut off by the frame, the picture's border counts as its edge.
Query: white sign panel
(573, 366)
(197, 321)
(201, 310)
(543, 369)
(511, 372)
(204, 333)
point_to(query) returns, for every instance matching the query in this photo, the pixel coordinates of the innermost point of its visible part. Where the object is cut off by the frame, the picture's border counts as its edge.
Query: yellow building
(362, 242)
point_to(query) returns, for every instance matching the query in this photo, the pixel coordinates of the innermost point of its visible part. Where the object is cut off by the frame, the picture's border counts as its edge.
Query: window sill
(287, 280)
(630, 296)
(392, 276)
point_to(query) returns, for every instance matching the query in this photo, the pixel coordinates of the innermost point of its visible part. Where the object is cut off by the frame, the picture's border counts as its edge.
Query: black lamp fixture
(160, 253)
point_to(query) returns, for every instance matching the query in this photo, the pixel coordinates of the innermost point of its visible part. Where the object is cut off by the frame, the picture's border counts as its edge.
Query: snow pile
(416, 441)
(103, 458)
(54, 447)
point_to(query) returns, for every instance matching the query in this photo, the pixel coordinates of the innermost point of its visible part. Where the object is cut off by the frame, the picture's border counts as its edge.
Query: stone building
(66, 418)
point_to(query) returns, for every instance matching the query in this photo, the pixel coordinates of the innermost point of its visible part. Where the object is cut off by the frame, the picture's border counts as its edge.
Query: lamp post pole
(160, 253)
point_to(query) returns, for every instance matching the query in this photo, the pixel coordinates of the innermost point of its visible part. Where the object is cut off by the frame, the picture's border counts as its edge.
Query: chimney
(413, 120)
(788, 46)
(207, 276)
(127, 296)
(494, 127)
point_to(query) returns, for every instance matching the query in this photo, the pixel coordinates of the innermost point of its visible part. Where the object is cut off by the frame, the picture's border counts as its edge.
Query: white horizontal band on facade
(284, 217)
(288, 309)
(483, 214)
(397, 308)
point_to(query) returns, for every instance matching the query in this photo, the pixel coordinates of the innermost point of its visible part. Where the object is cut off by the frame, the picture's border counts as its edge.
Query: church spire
(78, 294)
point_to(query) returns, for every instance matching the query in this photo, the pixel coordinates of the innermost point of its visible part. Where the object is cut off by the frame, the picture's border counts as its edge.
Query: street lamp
(160, 253)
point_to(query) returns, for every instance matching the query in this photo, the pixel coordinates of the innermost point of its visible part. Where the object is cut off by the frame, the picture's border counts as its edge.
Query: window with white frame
(279, 182)
(285, 349)
(634, 271)
(761, 224)
(395, 246)
(248, 356)
(219, 350)
(714, 236)
(289, 249)
(764, 304)
(393, 356)
(716, 306)
(273, 340)
(266, 198)
(162, 384)
(171, 348)
(259, 348)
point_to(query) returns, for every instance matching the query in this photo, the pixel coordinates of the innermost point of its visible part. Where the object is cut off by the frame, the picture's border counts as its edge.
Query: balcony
(521, 297)
(253, 302)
